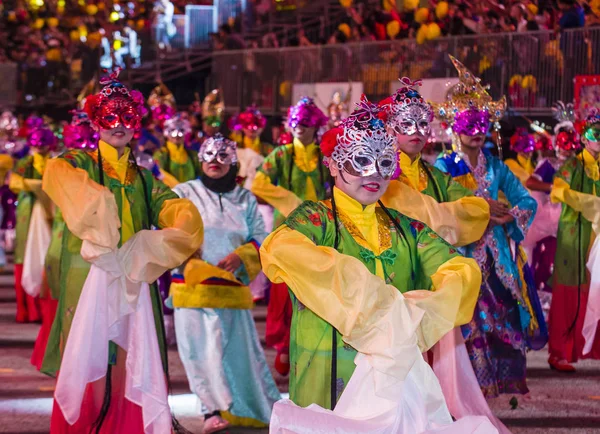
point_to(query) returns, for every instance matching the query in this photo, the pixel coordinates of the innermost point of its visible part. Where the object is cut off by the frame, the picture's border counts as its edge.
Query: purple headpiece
(306, 114)
(522, 142)
(468, 107)
(79, 134)
(33, 123)
(41, 137)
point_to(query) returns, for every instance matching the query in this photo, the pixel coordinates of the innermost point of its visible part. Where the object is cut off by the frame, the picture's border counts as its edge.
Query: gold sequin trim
(383, 228)
(111, 172)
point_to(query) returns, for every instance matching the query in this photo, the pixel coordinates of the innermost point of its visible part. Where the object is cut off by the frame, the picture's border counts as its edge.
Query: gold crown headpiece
(467, 94)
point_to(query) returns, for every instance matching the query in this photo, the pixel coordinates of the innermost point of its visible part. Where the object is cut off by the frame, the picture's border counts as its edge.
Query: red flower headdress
(115, 105)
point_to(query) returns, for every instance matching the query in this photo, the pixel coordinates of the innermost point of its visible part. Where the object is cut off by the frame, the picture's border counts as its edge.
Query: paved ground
(557, 403)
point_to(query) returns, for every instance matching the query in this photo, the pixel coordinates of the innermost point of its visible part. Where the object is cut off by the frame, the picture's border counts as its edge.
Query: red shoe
(22, 317)
(560, 365)
(282, 367)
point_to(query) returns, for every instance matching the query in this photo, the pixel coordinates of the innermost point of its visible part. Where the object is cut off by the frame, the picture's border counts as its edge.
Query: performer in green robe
(26, 182)
(402, 252)
(107, 200)
(177, 163)
(289, 175)
(77, 135)
(577, 187)
(462, 218)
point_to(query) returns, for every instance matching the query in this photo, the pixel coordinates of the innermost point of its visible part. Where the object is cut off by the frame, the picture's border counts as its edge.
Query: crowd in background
(60, 44)
(366, 20)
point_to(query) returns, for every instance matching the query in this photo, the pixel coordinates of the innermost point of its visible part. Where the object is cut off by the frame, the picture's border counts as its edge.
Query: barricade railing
(533, 69)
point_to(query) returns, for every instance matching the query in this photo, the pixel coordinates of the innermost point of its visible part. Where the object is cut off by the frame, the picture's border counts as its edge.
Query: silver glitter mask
(8, 122)
(177, 127)
(220, 149)
(365, 148)
(409, 113)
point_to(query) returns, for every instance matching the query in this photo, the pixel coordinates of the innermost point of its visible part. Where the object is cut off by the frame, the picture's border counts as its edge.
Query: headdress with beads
(307, 114)
(407, 111)
(361, 144)
(115, 105)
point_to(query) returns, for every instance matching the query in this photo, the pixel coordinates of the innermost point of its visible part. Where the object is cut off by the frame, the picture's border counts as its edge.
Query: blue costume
(508, 316)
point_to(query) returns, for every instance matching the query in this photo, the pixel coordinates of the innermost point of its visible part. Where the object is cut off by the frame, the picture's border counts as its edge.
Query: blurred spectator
(572, 15)
(518, 13)
(230, 40)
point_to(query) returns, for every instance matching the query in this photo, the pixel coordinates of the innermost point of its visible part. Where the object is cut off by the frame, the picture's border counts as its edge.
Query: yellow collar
(591, 165)
(588, 159)
(39, 162)
(410, 169)
(305, 156)
(177, 153)
(351, 207)
(111, 156)
(253, 144)
(363, 218)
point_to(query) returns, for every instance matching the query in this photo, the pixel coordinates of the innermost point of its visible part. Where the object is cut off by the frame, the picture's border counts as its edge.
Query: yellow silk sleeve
(587, 204)
(472, 216)
(6, 164)
(168, 179)
(517, 170)
(458, 279)
(250, 258)
(342, 291)
(459, 223)
(148, 254)
(16, 183)
(331, 284)
(89, 209)
(279, 198)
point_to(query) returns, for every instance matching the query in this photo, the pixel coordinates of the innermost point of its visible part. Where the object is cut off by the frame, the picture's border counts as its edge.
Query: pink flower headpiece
(80, 134)
(250, 119)
(522, 142)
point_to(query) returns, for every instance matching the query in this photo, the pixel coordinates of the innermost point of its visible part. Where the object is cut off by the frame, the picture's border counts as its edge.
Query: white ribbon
(392, 391)
(455, 374)
(592, 314)
(113, 308)
(36, 247)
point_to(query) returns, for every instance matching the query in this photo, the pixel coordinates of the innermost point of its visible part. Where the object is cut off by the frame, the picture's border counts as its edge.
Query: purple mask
(472, 122)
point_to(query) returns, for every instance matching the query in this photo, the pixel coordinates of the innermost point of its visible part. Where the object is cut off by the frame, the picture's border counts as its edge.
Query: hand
(230, 263)
(499, 221)
(497, 209)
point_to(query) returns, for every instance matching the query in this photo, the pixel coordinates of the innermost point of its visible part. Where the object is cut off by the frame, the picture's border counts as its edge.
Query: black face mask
(225, 184)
